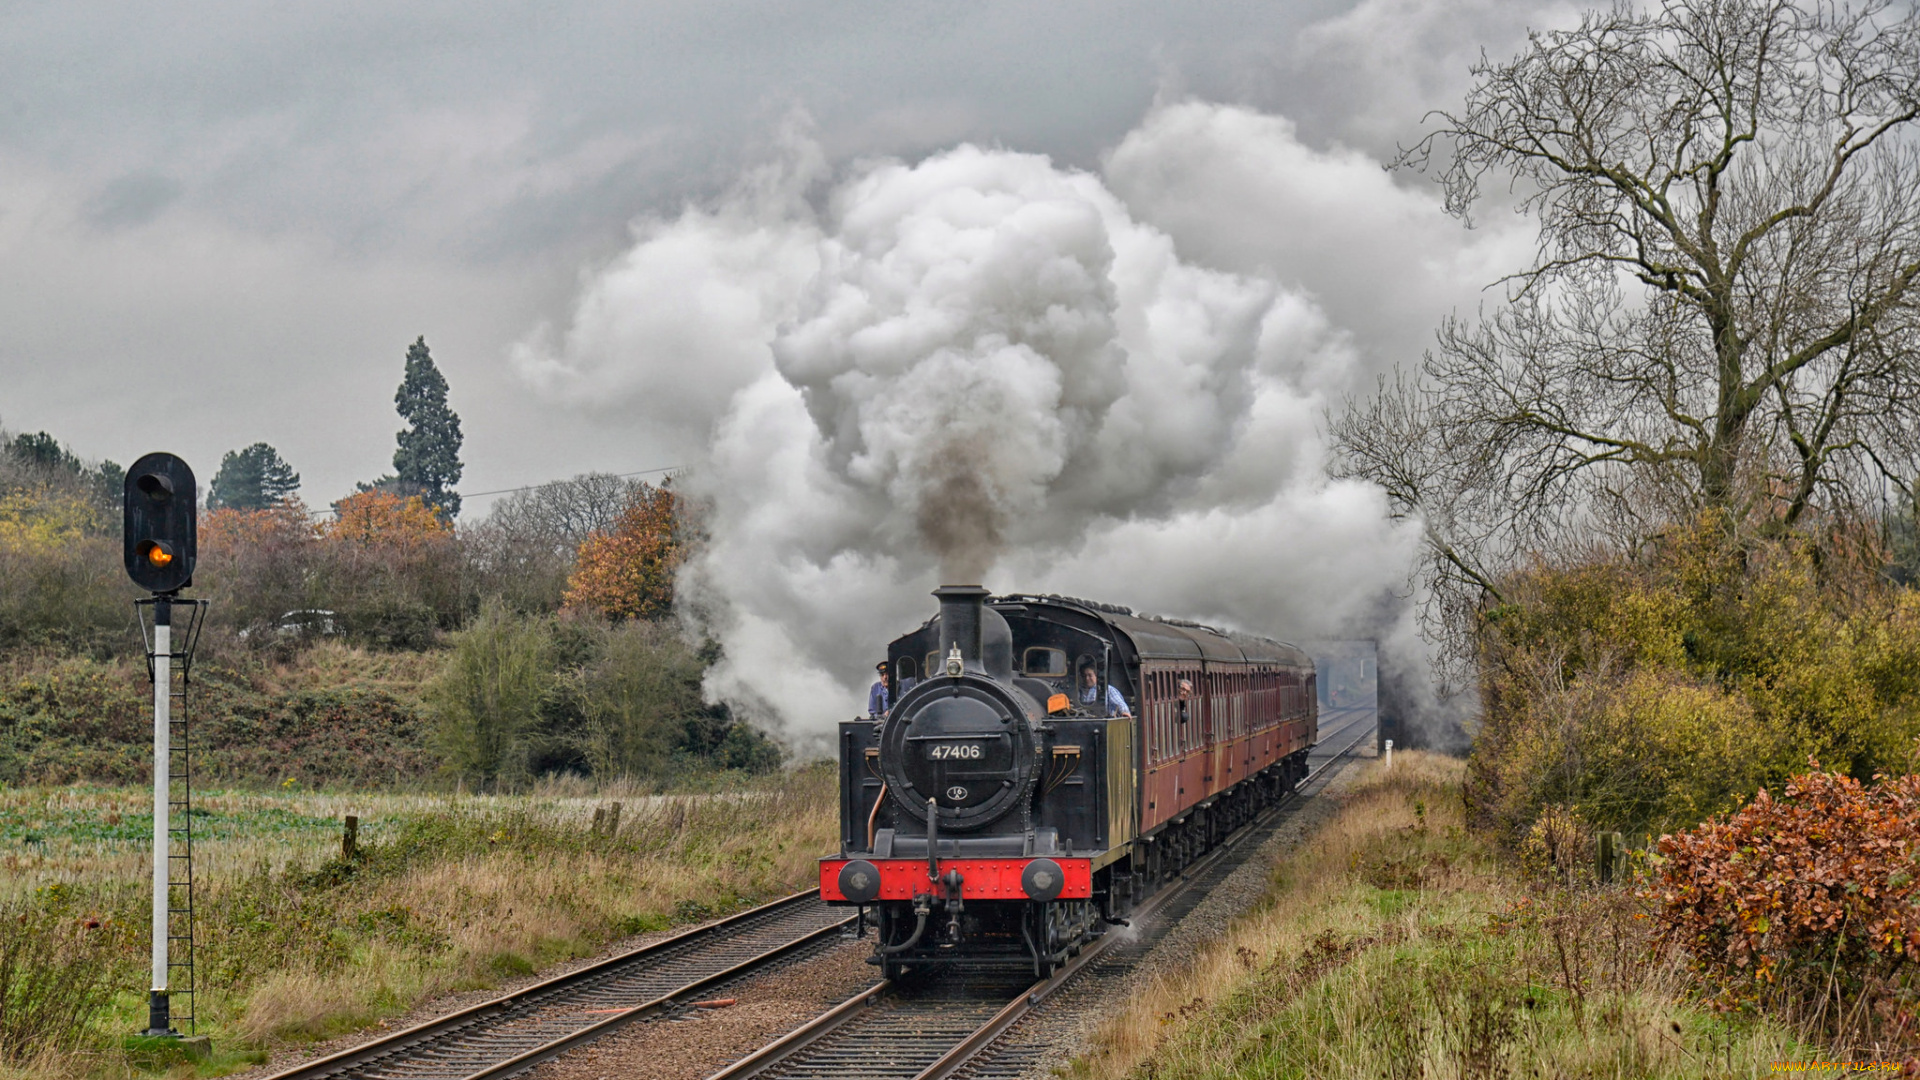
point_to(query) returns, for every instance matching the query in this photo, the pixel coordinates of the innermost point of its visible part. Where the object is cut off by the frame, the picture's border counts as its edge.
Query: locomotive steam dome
(965, 742)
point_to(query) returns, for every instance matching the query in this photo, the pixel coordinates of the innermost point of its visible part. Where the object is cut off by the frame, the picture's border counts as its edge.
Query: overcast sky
(224, 222)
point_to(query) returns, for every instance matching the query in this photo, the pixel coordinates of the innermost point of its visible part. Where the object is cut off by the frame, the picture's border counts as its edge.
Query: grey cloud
(314, 185)
(392, 126)
(131, 200)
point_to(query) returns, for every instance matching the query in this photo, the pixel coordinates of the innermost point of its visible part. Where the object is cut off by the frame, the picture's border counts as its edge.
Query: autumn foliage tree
(380, 518)
(626, 571)
(232, 531)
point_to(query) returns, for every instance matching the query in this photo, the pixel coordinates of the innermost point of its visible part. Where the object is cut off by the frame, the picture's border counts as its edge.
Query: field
(1396, 944)
(448, 892)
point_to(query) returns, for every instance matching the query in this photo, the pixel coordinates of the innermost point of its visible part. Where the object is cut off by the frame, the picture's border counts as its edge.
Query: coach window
(1149, 710)
(1170, 718)
(1193, 708)
(1160, 709)
(1163, 715)
(1196, 715)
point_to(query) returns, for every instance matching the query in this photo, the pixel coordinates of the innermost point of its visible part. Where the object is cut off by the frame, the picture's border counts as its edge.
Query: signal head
(160, 523)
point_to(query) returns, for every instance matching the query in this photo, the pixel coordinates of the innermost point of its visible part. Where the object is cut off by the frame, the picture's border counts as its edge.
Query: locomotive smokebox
(961, 614)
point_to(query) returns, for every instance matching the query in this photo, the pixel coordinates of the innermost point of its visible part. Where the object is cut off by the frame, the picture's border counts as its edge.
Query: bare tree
(1722, 311)
(523, 550)
(561, 513)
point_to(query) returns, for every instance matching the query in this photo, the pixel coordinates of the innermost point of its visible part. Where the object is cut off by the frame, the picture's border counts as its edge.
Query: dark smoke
(960, 519)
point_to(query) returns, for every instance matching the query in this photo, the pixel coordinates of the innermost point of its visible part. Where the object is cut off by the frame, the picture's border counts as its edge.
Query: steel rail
(806, 1034)
(429, 1040)
(593, 1031)
(1339, 755)
(789, 1046)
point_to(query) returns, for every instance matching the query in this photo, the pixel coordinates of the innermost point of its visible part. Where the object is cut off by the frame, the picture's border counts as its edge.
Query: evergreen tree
(43, 452)
(428, 460)
(252, 479)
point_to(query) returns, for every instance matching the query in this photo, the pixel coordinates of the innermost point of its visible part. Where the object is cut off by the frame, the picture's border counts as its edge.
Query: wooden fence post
(350, 838)
(613, 820)
(1608, 856)
(599, 821)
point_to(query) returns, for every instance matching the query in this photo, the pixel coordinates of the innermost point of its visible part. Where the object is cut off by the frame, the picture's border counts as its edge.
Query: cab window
(1044, 663)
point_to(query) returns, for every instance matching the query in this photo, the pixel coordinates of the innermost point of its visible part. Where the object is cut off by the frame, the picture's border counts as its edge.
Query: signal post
(159, 551)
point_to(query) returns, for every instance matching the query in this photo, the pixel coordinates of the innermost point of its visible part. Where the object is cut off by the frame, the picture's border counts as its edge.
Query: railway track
(515, 1031)
(1340, 731)
(942, 1030)
(928, 1034)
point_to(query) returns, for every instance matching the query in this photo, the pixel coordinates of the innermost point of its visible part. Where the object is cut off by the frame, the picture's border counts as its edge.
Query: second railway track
(945, 1029)
(518, 1030)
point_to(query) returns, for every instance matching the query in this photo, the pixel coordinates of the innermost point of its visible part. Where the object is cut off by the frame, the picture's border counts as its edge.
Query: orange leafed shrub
(229, 530)
(1815, 886)
(626, 572)
(385, 519)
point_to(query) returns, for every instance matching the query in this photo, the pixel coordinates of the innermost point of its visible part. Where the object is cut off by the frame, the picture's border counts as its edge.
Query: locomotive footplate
(868, 881)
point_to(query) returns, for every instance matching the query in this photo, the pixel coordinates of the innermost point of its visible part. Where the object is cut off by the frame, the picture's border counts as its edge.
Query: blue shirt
(1116, 705)
(877, 699)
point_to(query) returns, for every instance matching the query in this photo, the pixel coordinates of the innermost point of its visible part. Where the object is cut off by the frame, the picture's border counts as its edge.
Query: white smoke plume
(983, 368)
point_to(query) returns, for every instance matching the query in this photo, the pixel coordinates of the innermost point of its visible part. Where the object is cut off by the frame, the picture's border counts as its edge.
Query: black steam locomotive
(1004, 811)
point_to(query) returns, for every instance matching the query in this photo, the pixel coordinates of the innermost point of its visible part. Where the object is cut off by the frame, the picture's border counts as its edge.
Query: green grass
(95, 834)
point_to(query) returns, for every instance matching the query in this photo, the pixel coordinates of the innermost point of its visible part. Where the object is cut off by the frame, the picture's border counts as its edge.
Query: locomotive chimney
(960, 612)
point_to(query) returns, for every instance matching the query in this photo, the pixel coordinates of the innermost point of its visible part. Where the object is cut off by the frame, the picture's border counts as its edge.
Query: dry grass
(450, 892)
(329, 664)
(1394, 944)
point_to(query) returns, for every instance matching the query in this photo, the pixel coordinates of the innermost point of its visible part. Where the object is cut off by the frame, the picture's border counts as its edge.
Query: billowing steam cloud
(984, 368)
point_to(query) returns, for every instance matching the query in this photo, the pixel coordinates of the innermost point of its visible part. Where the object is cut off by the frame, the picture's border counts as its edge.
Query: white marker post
(1389, 753)
(158, 1021)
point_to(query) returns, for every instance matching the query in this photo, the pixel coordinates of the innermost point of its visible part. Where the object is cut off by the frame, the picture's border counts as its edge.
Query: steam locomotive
(1003, 813)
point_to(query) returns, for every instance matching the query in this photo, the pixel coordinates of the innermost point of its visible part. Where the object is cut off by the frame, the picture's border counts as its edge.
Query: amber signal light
(158, 555)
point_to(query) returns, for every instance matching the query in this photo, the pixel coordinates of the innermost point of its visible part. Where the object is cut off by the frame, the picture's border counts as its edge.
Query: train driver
(1115, 705)
(877, 693)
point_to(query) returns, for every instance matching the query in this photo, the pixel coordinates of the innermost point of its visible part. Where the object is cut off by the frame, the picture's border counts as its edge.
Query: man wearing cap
(877, 695)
